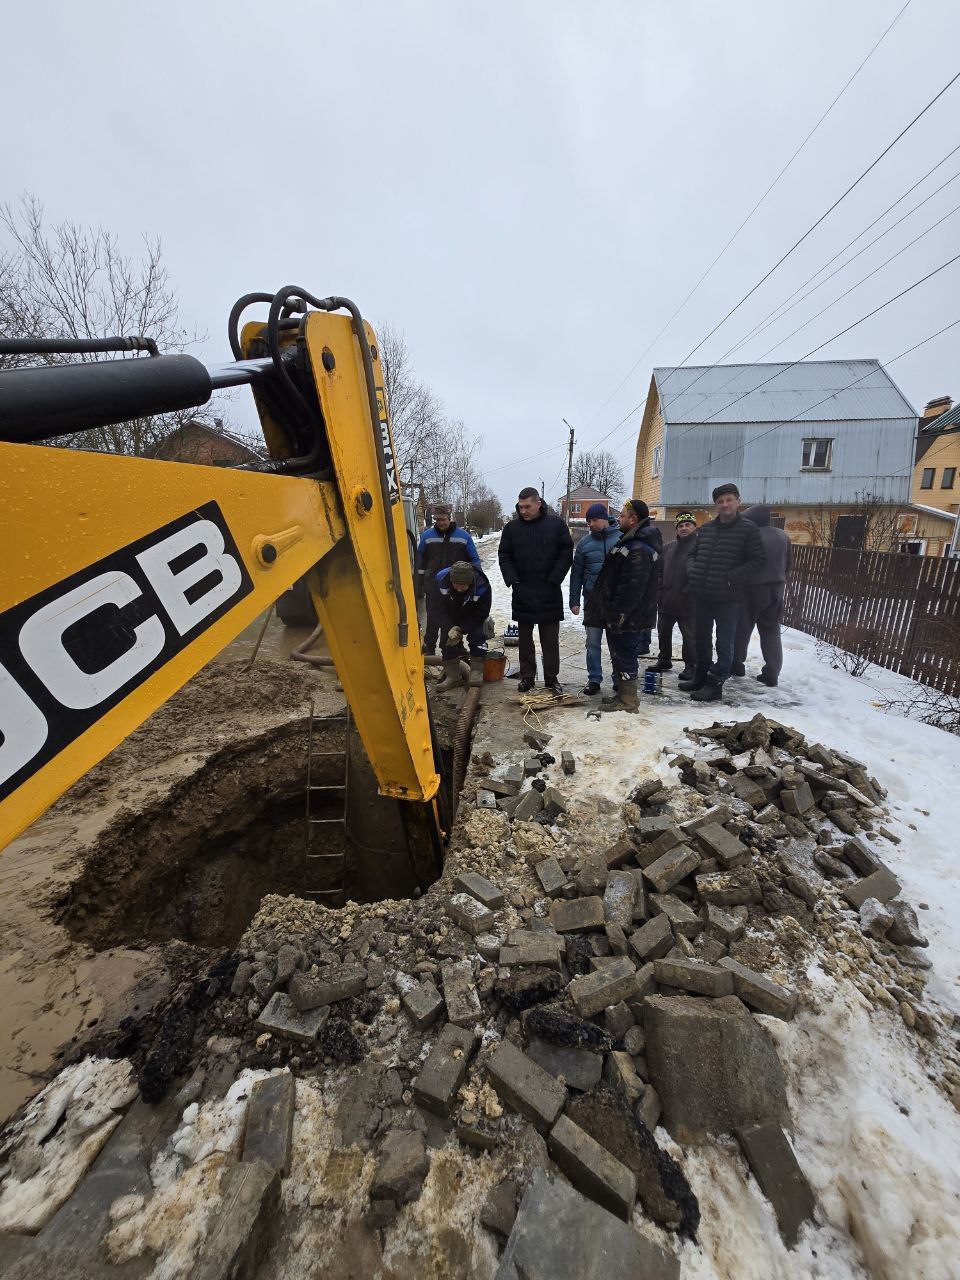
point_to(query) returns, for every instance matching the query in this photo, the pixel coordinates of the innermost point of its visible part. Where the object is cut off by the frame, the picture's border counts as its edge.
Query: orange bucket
(494, 667)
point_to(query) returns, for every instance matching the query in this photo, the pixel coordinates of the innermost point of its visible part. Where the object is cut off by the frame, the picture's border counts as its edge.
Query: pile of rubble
(549, 1006)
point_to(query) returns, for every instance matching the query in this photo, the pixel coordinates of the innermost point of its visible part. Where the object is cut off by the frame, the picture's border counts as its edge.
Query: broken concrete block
(592, 877)
(774, 1165)
(653, 939)
(469, 914)
(717, 842)
(592, 1169)
(645, 985)
(672, 867)
(649, 1108)
(747, 790)
(693, 975)
(479, 887)
(530, 1090)
(281, 1017)
(499, 1211)
(861, 857)
(553, 803)
(532, 948)
(651, 827)
(332, 985)
(875, 919)
(460, 994)
(683, 919)
(561, 1235)
(435, 1088)
(536, 740)
(269, 1131)
(402, 1166)
(618, 898)
(721, 925)
(617, 939)
(669, 839)
(729, 888)
(528, 806)
(241, 978)
(713, 1065)
(551, 876)
(242, 1223)
(882, 885)
(577, 1068)
(577, 914)
(617, 854)
(567, 763)
(504, 786)
(905, 929)
(488, 945)
(718, 813)
(759, 992)
(805, 887)
(619, 1071)
(594, 991)
(421, 1000)
(797, 800)
(617, 1020)
(532, 766)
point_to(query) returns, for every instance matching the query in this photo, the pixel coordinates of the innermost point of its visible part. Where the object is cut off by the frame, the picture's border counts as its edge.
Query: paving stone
(875, 919)
(421, 1000)
(717, 842)
(797, 800)
(528, 806)
(760, 992)
(435, 1088)
(617, 1020)
(782, 1181)
(594, 991)
(683, 919)
(746, 789)
(592, 876)
(694, 976)
(499, 1211)
(905, 930)
(641, 907)
(634, 1041)
(567, 763)
(650, 827)
(713, 1065)
(669, 839)
(882, 885)
(653, 939)
(561, 1235)
(645, 985)
(617, 938)
(618, 898)
(729, 888)
(650, 1108)
(617, 854)
(488, 945)
(509, 785)
(479, 887)
(402, 1166)
(242, 1223)
(619, 1071)
(532, 948)
(281, 1017)
(530, 1090)
(577, 914)
(268, 1135)
(334, 984)
(552, 877)
(536, 740)
(579, 1068)
(553, 802)
(719, 813)
(592, 1169)
(532, 766)
(469, 914)
(864, 860)
(460, 994)
(486, 799)
(672, 867)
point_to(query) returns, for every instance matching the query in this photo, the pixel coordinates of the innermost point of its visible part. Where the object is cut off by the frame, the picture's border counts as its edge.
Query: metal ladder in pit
(325, 868)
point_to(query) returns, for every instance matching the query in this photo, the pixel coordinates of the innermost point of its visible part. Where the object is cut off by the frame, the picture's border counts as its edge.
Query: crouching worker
(624, 599)
(463, 599)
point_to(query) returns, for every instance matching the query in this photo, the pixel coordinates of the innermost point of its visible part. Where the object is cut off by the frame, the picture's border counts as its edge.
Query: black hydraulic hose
(74, 346)
(238, 308)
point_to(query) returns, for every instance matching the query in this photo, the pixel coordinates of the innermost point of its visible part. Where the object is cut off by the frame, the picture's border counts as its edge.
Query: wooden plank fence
(900, 611)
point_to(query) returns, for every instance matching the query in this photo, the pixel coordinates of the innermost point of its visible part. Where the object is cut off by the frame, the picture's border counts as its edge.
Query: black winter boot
(591, 688)
(661, 664)
(768, 680)
(711, 691)
(738, 669)
(695, 681)
(525, 684)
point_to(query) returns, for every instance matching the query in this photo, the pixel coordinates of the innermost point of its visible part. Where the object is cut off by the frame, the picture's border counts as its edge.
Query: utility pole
(569, 466)
(542, 487)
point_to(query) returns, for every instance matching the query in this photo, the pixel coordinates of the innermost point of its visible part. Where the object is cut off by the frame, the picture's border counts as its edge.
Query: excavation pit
(195, 864)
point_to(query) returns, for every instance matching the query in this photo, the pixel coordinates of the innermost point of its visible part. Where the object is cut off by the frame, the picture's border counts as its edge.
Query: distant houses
(927, 525)
(580, 499)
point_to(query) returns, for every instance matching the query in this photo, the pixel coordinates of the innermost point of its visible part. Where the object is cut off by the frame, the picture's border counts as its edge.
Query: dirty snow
(878, 1141)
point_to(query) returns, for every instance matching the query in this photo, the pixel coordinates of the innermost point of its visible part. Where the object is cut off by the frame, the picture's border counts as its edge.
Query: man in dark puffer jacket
(761, 604)
(624, 599)
(536, 551)
(726, 550)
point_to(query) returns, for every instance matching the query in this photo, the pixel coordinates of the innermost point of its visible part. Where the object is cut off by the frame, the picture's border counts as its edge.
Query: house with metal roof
(808, 439)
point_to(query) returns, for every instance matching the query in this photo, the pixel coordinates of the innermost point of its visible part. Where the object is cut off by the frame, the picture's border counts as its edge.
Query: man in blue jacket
(587, 562)
(440, 546)
(463, 606)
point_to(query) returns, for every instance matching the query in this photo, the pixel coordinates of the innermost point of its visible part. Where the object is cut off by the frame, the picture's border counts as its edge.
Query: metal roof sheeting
(811, 390)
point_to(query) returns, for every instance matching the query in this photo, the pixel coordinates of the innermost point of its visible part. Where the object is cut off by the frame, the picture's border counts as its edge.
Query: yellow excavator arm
(125, 576)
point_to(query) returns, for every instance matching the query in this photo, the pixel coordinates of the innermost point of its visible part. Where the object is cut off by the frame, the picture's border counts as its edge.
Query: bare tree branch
(599, 470)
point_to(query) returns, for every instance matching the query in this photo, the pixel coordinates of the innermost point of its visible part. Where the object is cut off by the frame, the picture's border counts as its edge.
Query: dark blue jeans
(624, 649)
(723, 614)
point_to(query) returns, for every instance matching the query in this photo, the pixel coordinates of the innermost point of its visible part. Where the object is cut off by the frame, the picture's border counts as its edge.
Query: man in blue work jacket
(587, 563)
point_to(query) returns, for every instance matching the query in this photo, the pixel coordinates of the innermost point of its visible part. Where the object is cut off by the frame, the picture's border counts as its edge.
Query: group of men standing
(716, 582)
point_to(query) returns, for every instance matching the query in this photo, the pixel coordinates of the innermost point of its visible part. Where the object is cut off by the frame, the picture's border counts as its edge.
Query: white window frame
(574, 508)
(810, 451)
(657, 461)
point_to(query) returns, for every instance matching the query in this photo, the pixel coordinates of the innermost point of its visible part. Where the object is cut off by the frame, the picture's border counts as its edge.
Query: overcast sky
(526, 189)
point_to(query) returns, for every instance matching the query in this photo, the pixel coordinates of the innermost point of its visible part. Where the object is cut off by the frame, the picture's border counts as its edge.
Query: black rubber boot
(711, 691)
(625, 699)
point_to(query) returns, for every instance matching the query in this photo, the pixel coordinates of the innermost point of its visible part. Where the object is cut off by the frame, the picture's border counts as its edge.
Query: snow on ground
(878, 1141)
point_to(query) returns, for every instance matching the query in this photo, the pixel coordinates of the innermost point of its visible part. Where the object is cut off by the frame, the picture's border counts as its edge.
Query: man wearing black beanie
(725, 550)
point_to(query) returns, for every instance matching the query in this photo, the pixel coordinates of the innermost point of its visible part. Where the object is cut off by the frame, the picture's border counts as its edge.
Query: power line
(736, 233)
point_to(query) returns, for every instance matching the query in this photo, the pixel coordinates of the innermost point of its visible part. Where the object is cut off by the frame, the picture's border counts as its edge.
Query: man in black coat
(536, 552)
(725, 551)
(761, 604)
(624, 599)
(675, 603)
